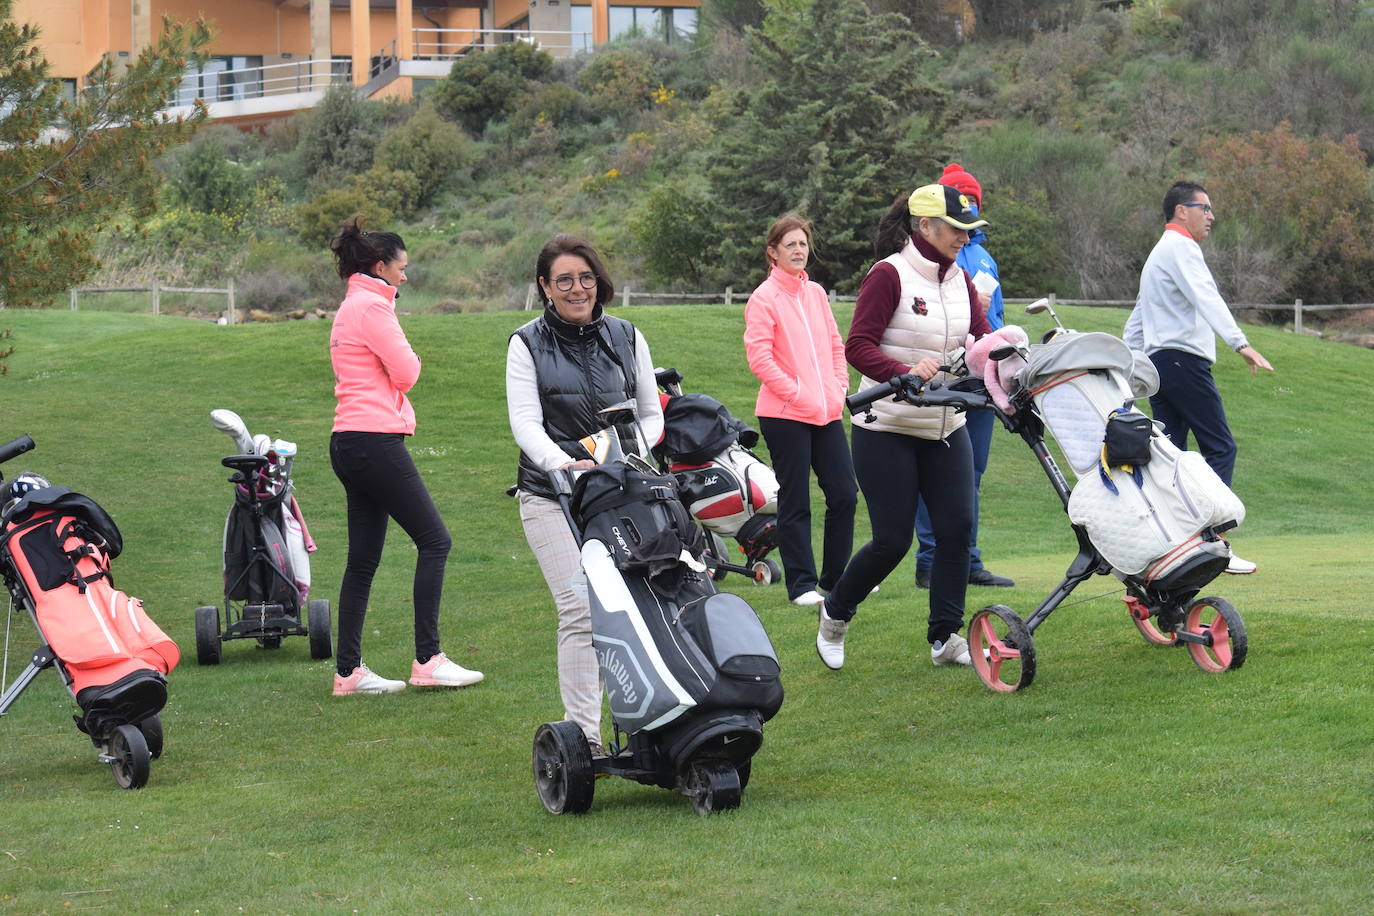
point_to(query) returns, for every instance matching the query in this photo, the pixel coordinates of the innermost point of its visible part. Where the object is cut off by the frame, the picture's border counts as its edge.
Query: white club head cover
(231, 423)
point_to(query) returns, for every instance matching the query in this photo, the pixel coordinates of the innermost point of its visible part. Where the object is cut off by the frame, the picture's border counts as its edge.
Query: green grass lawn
(1123, 780)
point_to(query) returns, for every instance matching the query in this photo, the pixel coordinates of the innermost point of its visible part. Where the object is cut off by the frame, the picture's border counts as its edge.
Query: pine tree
(846, 115)
(67, 166)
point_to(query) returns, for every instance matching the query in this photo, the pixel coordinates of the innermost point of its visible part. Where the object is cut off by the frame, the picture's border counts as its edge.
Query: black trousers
(796, 449)
(894, 470)
(381, 482)
(1188, 401)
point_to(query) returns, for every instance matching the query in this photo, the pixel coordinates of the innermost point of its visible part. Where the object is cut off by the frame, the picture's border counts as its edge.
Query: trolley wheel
(317, 623)
(713, 786)
(1217, 618)
(766, 572)
(130, 757)
(744, 768)
(1000, 645)
(1152, 633)
(563, 774)
(207, 635)
(270, 642)
(151, 728)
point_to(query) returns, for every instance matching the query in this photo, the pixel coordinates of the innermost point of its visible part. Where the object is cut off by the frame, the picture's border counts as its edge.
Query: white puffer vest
(911, 337)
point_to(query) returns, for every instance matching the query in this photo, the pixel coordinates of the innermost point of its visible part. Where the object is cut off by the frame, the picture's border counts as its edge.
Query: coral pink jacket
(374, 365)
(795, 349)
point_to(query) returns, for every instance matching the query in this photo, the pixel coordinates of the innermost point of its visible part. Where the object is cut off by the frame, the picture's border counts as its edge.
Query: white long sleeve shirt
(1178, 306)
(527, 414)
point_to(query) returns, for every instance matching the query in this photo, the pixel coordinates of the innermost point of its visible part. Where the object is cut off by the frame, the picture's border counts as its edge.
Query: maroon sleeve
(977, 316)
(879, 295)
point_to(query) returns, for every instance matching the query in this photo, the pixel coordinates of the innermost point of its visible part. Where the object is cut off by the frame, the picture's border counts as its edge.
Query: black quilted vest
(579, 369)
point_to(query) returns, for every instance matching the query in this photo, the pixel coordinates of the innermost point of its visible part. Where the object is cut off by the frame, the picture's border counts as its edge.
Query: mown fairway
(1123, 780)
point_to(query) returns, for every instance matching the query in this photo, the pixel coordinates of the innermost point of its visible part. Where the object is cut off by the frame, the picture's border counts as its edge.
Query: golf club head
(1043, 305)
(231, 423)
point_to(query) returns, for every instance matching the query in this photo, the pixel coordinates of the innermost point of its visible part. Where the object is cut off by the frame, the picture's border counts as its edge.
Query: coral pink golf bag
(55, 553)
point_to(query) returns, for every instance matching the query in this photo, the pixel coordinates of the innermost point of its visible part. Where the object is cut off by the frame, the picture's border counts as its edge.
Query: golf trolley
(55, 551)
(690, 672)
(726, 487)
(1163, 546)
(266, 554)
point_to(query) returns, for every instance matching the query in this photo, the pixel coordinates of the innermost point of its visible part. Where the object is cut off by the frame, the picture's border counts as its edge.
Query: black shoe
(923, 577)
(988, 578)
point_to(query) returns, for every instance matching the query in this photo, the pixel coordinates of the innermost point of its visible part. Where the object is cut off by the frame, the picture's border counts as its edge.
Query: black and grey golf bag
(690, 672)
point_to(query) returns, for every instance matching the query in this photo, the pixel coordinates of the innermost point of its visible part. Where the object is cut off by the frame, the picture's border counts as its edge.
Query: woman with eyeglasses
(561, 369)
(795, 349)
(374, 367)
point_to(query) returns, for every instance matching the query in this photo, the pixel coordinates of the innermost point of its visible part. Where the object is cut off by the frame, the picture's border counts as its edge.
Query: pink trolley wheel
(1000, 645)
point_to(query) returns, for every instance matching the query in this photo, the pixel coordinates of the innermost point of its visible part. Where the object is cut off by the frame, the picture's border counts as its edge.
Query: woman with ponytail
(374, 367)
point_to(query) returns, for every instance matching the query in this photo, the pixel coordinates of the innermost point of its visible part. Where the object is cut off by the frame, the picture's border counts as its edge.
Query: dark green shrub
(317, 220)
(484, 87)
(428, 148)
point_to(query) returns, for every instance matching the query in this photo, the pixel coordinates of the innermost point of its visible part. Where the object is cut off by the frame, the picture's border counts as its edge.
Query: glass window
(581, 27)
(650, 22)
(622, 21)
(684, 25)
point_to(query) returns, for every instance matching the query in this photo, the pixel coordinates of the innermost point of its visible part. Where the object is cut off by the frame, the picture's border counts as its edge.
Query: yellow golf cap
(946, 203)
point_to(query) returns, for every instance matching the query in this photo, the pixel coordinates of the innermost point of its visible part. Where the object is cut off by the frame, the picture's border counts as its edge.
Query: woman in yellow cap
(914, 311)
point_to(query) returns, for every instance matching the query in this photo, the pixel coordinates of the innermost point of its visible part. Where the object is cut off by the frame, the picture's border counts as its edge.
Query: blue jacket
(973, 257)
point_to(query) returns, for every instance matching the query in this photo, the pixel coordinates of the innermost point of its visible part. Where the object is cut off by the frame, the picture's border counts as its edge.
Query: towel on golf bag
(60, 544)
(1148, 519)
(640, 518)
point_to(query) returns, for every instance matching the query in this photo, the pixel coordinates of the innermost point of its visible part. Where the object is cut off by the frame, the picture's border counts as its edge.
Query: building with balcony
(268, 58)
(271, 57)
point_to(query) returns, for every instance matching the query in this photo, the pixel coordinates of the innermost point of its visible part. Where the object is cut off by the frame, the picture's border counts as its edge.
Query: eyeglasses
(565, 282)
(1206, 208)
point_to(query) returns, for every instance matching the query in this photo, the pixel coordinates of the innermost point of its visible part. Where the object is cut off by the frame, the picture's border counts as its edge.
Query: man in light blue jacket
(1177, 317)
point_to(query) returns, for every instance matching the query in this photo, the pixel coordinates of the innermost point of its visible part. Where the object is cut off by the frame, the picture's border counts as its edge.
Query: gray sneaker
(953, 651)
(830, 640)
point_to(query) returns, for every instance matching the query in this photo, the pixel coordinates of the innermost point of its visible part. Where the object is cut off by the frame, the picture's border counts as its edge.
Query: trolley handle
(16, 448)
(915, 391)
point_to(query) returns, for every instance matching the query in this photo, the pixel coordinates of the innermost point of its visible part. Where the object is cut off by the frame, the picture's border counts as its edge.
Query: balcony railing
(257, 82)
(451, 44)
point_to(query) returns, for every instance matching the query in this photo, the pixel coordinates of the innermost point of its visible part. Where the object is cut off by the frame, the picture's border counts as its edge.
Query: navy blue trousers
(1188, 402)
(895, 470)
(979, 425)
(796, 449)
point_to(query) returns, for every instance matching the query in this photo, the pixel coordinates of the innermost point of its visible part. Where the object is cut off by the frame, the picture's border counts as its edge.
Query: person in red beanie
(974, 259)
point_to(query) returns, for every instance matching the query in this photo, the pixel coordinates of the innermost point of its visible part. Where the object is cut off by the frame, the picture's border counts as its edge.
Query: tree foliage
(66, 166)
(1309, 199)
(484, 87)
(846, 115)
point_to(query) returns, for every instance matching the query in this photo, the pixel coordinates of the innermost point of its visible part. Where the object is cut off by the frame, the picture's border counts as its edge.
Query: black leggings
(381, 482)
(893, 470)
(796, 449)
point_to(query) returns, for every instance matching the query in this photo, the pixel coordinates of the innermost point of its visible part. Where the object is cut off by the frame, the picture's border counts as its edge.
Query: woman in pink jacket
(796, 351)
(374, 367)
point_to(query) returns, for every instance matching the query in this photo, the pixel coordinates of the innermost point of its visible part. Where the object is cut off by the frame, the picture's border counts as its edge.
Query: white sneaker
(830, 640)
(808, 599)
(1239, 567)
(440, 672)
(363, 680)
(953, 651)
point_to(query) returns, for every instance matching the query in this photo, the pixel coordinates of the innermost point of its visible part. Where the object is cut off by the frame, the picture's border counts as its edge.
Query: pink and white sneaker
(440, 672)
(363, 680)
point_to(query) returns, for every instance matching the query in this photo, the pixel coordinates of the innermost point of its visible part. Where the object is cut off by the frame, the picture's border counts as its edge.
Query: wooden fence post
(625, 296)
(1297, 316)
(529, 298)
(74, 294)
(230, 298)
(729, 295)
(833, 297)
(157, 294)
